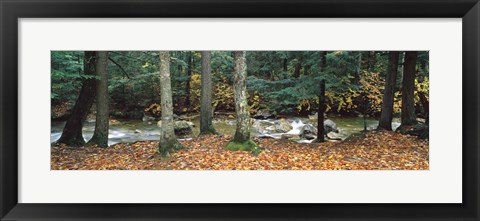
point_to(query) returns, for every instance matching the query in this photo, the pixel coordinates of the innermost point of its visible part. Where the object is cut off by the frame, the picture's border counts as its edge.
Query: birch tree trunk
(168, 140)
(206, 113)
(100, 135)
(241, 140)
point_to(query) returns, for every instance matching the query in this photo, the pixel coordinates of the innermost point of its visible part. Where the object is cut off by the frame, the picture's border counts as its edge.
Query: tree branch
(119, 66)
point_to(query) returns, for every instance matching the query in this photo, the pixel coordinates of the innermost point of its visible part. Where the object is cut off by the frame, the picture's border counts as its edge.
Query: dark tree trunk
(321, 112)
(100, 135)
(72, 132)
(371, 60)
(298, 66)
(206, 113)
(425, 105)
(408, 87)
(189, 76)
(285, 64)
(323, 57)
(358, 68)
(306, 70)
(386, 114)
(168, 140)
(241, 140)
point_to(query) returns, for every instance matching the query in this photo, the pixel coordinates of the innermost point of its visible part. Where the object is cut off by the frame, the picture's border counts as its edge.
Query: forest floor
(375, 150)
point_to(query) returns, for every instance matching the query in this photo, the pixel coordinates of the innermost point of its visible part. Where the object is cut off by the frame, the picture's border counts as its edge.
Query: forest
(239, 110)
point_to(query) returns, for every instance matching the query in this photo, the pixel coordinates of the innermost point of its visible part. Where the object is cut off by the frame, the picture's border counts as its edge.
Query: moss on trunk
(248, 145)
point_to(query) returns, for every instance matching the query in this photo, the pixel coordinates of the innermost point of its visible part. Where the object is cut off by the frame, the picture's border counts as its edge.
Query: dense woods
(292, 104)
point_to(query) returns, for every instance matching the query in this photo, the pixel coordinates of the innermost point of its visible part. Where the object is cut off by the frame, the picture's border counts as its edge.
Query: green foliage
(285, 82)
(66, 75)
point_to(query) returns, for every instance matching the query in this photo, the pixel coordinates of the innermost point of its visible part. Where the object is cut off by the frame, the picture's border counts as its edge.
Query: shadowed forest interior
(239, 110)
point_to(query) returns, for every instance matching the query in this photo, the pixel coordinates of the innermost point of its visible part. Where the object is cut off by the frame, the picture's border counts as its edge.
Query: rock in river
(181, 127)
(308, 132)
(263, 114)
(282, 126)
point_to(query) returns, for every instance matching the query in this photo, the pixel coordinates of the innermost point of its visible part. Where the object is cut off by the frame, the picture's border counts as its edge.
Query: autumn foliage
(376, 150)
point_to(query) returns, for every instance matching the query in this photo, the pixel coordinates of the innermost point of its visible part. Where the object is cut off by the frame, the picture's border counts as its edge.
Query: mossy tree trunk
(100, 135)
(241, 140)
(408, 87)
(168, 141)
(206, 126)
(72, 132)
(386, 114)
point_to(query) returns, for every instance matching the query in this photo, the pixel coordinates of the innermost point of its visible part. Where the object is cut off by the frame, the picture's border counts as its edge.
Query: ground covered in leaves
(372, 151)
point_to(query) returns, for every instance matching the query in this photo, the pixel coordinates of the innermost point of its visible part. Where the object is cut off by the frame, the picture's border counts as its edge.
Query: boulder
(419, 130)
(261, 126)
(282, 126)
(308, 132)
(183, 127)
(263, 114)
(330, 126)
(147, 118)
(191, 124)
(292, 137)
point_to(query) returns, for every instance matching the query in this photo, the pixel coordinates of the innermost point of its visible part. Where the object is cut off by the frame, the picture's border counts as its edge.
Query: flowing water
(126, 131)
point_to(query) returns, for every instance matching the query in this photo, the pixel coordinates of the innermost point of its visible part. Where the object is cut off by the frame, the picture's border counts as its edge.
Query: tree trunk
(358, 68)
(72, 132)
(285, 64)
(323, 64)
(386, 114)
(187, 84)
(168, 141)
(425, 105)
(321, 112)
(298, 66)
(241, 140)
(408, 87)
(206, 113)
(100, 135)
(371, 60)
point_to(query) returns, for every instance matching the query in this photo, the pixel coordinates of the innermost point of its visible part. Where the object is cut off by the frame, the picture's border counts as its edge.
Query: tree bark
(386, 114)
(408, 87)
(298, 66)
(323, 64)
(100, 135)
(425, 105)
(168, 141)
(321, 112)
(72, 132)
(241, 140)
(242, 132)
(206, 113)
(189, 76)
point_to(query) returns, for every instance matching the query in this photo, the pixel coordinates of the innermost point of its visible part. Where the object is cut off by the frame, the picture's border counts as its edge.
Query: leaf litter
(375, 150)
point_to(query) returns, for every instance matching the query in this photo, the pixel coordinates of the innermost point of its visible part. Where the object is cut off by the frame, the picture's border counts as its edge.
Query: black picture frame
(12, 10)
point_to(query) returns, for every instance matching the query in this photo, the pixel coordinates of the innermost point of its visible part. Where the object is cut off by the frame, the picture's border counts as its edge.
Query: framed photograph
(256, 110)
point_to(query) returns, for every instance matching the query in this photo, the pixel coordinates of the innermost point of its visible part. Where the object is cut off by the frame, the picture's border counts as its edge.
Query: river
(126, 131)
